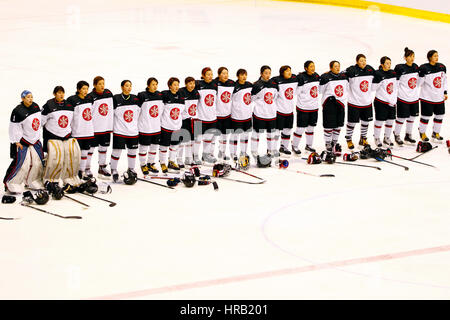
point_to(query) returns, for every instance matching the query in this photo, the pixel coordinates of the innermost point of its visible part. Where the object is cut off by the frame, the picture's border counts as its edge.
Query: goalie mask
(243, 162)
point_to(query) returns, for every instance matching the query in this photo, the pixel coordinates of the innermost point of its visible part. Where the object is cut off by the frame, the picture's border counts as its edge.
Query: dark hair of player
(359, 56)
(188, 79)
(97, 79)
(172, 80)
(241, 71)
(332, 63)
(408, 52)
(81, 84)
(307, 63)
(124, 82)
(58, 89)
(219, 71)
(430, 54)
(283, 69)
(205, 70)
(149, 80)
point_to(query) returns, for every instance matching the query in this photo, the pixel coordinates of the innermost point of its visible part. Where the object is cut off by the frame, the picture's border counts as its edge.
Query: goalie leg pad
(72, 159)
(55, 161)
(17, 171)
(34, 177)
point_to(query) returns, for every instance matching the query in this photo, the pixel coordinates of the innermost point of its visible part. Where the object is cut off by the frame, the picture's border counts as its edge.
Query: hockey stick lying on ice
(425, 164)
(261, 180)
(3, 218)
(111, 203)
(396, 164)
(421, 154)
(312, 174)
(354, 164)
(78, 201)
(53, 214)
(158, 184)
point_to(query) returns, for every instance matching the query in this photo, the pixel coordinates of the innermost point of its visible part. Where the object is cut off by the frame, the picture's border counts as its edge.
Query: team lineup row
(155, 121)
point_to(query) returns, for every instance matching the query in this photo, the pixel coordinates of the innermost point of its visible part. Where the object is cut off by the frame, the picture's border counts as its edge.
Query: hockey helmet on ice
(129, 177)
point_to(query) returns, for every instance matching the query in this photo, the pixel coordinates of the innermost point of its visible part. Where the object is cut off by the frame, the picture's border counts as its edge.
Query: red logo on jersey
(192, 110)
(128, 116)
(35, 124)
(87, 115)
(209, 100)
(390, 88)
(289, 93)
(268, 98)
(247, 98)
(63, 121)
(339, 91)
(412, 83)
(153, 111)
(225, 97)
(175, 113)
(103, 109)
(364, 86)
(437, 82)
(313, 92)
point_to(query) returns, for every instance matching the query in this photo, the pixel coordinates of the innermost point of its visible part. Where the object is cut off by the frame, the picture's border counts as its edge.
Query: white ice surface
(244, 241)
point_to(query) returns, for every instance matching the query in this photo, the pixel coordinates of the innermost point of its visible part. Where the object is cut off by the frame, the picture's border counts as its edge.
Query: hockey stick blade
(158, 184)
(111, 203)
(396, 164)
(312, 174)
(421, 154)
(242, 181)
(3, 218)
(51, 213)
(359, 165)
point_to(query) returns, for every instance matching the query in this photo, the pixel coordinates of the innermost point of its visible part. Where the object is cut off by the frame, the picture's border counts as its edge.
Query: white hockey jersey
(308, 92)
(190, 103)
(57, 118)
(126, 115)
(408, 82)
(264, 94)
(224, 98)
(242, 106)
(385, 86)
(82, 125)
(171, 119)
(25, 124)
(286, 93)
(359, 83)
(335, 85)
(434, 82)
(151, 109)
(102, 111)
(207, 102)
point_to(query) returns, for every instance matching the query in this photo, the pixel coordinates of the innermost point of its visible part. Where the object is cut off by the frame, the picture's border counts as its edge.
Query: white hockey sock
(437, 123)
(207, 143)
(410, 124)
(197, 144)
(89, 157)
(233, 144)
(115, 156)
(377, 129)
(297, 136)
(188, 150)
(271, 141)
(244, 142)
(152, 153)
(423, 123)
(364, 128)
(327, 133)
(180, 151)
(163, 154)
(84, 156)
(102, 155)
(398, 126)
(388, 128)
(173, 151)
(131, 155)
(309, 135)
(349, 131)
(285, 137)
(223, 143)
(255, 142)
(143, 155)
(335, 135)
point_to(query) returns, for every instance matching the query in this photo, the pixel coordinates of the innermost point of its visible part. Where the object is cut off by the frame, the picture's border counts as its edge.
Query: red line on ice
(274, 273)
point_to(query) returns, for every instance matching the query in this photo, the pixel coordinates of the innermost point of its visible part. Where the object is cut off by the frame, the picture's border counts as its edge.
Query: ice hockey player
(26, 148)
(360, 77)
(82, 126)
(150, 125)
(287, 87)
(103, 120)
(127, 108)
(433, 94)
(385, 87)
(307, 107)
